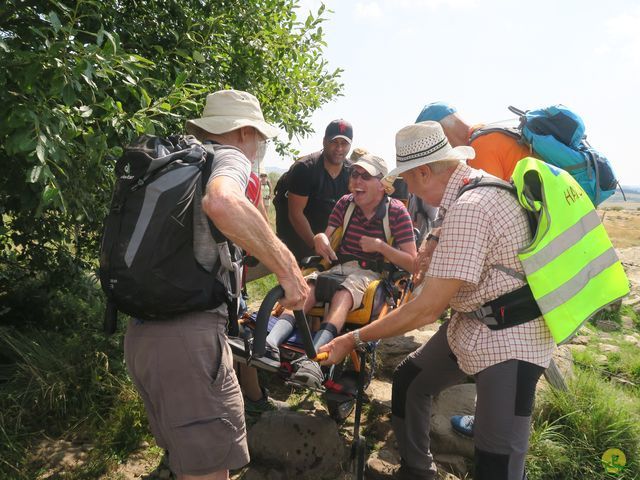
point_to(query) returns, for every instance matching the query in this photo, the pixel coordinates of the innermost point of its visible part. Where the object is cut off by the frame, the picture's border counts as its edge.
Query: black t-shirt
(310, 179)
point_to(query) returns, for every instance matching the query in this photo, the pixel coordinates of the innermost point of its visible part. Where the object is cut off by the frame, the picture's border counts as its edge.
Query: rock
(608, 325)
(579, 340)
(633, 339)
(457, 400)
(391, 351)
(632, 300)
(380, 391)
(455, 463)
(300, 443)
(627, 322)
(576, 348)
(607, 348)
(601, 359)
(382, 464)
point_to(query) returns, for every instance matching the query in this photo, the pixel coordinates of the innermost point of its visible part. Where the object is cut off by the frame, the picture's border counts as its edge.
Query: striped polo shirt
(399, 223)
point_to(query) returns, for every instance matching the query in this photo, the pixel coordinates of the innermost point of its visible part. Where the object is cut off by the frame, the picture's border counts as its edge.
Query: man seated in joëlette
(363, 247)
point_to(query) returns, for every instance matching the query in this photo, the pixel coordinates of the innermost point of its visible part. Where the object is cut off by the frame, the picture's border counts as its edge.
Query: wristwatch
(431, 236)
(360, 345)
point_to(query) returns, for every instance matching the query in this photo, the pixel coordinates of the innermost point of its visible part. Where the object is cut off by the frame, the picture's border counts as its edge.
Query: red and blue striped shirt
(399, 223)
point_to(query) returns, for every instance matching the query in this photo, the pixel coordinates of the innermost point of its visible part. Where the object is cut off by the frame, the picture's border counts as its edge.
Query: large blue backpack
(556, 135)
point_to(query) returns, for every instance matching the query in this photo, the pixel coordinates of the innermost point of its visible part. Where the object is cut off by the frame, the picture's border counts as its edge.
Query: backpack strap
(513, 132)
(518, 306)
(229, 257)
(385, 220)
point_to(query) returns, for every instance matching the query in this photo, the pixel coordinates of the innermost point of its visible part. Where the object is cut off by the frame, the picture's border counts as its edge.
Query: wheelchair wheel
(359, 455)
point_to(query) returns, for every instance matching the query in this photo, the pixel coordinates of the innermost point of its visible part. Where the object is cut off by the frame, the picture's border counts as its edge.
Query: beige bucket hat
(228, 110)
(423, 143)
(375, 166)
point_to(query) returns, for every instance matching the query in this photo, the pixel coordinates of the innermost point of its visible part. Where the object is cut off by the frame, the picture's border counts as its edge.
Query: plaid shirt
(482, 229)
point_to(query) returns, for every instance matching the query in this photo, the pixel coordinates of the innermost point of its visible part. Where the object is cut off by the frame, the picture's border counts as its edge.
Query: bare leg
(249, 383)
(340, 306)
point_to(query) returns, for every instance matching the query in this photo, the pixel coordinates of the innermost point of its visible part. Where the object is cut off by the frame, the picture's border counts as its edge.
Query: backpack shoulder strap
(385, 220)
(385, 223)
(503, 184)
(347, 217)
(483, 181)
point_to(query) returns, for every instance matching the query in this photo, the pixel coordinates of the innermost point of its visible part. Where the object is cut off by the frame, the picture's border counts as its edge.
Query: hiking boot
(308, 373)
(269, 361)
(263, 404)
(463, 424)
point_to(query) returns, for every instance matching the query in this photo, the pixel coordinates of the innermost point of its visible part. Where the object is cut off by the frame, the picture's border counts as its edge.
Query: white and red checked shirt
(482, 229)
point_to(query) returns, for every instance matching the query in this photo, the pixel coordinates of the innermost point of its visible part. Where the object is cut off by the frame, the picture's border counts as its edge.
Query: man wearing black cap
(316, 183)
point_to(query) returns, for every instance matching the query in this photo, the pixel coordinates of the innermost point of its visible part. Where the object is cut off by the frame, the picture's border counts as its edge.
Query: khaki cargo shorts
(183, 370)
(356, 283)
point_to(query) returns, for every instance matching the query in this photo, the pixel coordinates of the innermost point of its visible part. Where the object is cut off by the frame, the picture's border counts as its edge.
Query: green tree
(81, 78)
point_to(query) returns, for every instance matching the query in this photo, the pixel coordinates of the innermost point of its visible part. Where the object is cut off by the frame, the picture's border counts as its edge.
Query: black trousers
(505, 396)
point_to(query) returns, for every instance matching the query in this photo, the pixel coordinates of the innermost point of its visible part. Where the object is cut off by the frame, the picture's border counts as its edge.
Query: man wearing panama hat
(182, 366)
(475, 262)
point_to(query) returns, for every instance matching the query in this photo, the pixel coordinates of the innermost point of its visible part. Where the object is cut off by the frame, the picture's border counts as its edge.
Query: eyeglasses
(366, 176)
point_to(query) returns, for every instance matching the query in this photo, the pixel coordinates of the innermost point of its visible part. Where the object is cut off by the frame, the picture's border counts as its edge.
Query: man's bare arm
(225, 203)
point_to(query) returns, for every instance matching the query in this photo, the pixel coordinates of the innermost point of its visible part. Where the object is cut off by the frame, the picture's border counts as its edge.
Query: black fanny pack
(508, 310)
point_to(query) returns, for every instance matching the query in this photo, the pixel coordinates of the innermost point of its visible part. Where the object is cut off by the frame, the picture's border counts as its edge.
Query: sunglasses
(366, 176)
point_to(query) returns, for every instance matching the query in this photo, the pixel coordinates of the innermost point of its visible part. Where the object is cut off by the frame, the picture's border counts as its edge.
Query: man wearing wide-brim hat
(475, 262)
(182, 366)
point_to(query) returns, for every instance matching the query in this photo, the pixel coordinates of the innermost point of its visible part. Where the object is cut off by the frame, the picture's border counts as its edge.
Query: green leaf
(68, 95)
(50, 192)
(85, 111)
(180, 79)
(100, 37)
(55, 21)
(3, 46)
(198, 56)
(145, 99)
(40, 152)
(35, 174)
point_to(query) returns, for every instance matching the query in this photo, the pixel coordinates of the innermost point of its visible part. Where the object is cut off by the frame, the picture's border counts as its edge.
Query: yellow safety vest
(571, 265)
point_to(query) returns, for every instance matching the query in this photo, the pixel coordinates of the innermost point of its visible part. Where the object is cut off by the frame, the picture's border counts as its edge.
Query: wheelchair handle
(262, 323)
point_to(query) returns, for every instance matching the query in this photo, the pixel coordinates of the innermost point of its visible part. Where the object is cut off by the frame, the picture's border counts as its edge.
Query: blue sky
(482, 56)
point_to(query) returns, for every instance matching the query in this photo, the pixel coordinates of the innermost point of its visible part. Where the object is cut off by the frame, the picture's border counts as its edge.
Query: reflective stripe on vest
(571, 266)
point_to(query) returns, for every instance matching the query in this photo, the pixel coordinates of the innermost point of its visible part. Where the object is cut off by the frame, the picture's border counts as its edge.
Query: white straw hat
(227, 110)
(423, 143)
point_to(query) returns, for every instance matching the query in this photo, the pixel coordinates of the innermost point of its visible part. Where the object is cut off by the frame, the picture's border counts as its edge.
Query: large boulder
(301, 444)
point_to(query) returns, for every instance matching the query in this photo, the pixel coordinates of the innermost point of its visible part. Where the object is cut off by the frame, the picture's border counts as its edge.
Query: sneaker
(463, 424)
(269, 361)
(264, 404)
(308, 373)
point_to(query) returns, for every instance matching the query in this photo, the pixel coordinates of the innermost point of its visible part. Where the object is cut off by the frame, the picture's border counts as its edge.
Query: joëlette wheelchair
(345, 383)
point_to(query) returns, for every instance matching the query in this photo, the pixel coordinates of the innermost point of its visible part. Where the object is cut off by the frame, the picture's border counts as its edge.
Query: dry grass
(623, 226)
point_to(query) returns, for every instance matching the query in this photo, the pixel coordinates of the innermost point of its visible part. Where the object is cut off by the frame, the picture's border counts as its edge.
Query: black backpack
(148, 266)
